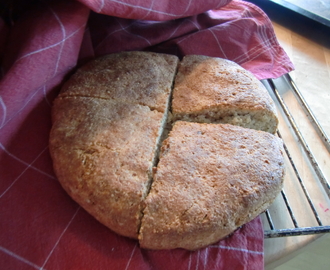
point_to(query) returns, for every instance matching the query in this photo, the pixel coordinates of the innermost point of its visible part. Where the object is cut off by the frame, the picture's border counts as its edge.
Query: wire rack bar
(270, 220)
(310, 202)
(308, 111)
(301, 139)
(288, 206)
(297, 230)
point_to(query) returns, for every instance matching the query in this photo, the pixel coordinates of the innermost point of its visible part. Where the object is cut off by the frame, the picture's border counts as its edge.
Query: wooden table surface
(311, 58)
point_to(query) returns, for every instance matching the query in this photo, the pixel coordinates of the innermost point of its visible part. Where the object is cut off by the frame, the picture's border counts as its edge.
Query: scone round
(210, 180)
(216, 90)
(108, 125)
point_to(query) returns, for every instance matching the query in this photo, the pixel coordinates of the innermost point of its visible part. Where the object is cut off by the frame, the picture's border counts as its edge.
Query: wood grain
(312, 76)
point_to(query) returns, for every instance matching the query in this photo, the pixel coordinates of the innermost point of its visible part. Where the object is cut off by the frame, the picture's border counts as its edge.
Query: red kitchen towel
(40, 226)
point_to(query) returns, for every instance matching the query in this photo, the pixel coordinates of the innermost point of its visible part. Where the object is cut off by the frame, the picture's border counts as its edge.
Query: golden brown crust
(107, 125)
(210, 180)
(143, 78)
(209, 84)
(103, 156)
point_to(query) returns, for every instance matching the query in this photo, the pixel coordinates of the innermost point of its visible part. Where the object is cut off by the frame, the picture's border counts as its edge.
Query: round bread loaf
(109, 123)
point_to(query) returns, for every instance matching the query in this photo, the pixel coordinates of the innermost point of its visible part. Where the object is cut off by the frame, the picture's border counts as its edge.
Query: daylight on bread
(216, 90)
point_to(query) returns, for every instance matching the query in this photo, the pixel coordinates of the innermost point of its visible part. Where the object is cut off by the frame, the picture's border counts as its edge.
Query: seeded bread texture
(110, 120)
(143, 78)
(215, 90)
(105, 136)
(103, 154)
(210, 180)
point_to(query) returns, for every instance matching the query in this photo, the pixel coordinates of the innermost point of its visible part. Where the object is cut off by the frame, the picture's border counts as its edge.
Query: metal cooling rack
(301, 208)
